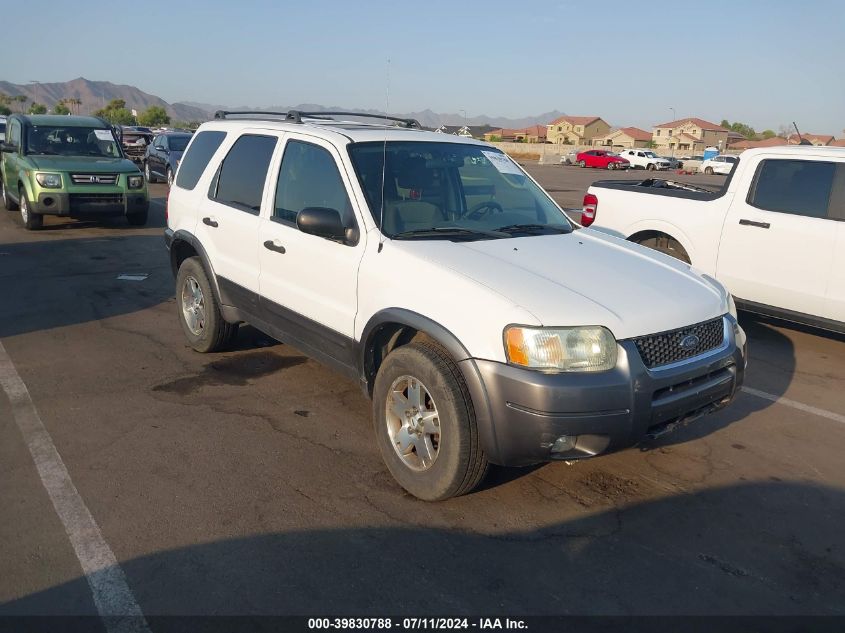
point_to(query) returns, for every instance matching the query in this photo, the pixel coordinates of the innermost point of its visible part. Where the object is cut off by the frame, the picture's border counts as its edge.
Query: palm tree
(74, 103)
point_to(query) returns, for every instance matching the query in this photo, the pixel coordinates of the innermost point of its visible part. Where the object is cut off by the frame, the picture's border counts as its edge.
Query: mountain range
(95, 94)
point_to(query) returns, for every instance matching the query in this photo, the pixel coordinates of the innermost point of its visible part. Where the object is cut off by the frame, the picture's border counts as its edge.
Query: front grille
(661, 349)
(93, 179)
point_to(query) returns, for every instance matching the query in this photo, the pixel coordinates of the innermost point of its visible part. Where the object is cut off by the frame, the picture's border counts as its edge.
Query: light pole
(36, 82)
(672, 146)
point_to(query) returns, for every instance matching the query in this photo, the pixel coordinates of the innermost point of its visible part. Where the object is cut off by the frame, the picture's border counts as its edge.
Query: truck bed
(664, 187)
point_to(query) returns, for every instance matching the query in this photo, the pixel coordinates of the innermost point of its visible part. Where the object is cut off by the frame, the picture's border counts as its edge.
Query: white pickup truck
(774, 234)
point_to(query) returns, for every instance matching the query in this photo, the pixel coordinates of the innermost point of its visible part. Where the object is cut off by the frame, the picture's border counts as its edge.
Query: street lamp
(672, 146)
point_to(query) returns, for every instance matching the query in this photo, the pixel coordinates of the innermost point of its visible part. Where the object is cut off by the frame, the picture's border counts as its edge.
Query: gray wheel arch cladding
(451, 343)
(191, 240)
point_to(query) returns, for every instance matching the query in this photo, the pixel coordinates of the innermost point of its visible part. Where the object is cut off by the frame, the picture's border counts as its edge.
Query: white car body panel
(639, 157)
(796, 264)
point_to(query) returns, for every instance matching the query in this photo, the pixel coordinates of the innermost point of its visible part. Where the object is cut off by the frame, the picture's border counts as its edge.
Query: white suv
(718, 165)
(645, 159)
(485, 326)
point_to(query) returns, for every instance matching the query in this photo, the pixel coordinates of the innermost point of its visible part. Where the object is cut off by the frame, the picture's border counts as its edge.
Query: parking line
(112, 597)
(830, 415)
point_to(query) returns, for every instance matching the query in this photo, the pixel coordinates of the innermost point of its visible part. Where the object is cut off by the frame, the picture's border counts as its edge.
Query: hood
(88, 164)
(583, 278)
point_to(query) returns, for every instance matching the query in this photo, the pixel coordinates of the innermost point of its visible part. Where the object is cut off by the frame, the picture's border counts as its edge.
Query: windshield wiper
(534, 228)
(448, 230)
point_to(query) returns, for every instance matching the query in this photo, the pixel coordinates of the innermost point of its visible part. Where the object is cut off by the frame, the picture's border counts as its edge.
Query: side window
(15, 133)
(308, 177)
(196, 158)
(240, 180)
(799, 187)
(640, 154)
(163, 140)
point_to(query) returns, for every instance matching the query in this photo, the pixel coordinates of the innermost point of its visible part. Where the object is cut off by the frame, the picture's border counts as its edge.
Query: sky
(762, 62)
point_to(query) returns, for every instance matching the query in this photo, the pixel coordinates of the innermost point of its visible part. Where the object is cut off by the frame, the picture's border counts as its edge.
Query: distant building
(690, 135)
(816, 139)
(625, 138)
(766, 142)
(531, 134)
(576, 130)
(838, 143)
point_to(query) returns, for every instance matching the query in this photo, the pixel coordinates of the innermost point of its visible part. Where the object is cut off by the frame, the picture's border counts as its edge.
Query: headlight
(135, 182)
(50, 181)
(732, 306)
(561, 349)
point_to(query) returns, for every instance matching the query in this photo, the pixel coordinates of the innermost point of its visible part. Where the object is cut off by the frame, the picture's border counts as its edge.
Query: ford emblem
(689, 342)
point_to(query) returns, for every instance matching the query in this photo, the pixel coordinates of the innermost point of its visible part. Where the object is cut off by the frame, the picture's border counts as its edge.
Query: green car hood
(87, 164)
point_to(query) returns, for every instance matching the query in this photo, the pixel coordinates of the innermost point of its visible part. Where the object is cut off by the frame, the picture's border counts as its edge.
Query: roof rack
(296, 116)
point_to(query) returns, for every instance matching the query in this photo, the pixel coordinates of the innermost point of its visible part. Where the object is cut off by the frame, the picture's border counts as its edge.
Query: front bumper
(604, 411)
(91, 204)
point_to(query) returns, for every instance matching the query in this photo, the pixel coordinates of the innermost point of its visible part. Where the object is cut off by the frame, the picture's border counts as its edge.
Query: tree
(4, 109)
(61, 108)
(37, 108)
(116, 112)
(153, 116)
(74, 103)
(20, 100)
(740, 128)
(768, 134)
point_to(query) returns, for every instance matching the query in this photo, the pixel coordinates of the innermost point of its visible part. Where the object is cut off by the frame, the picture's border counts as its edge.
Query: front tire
(31, 221)
(148, 174)
(649, 167)
(8, 203)
(425, 423)
(199, 314)
(169, 177)
(708, 171)
(582, 163)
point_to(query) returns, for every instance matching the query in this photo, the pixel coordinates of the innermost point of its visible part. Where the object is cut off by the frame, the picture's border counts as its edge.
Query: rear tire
(8, 203)
(666, 245)
(450, 432)
(199, 314)
(31, 221)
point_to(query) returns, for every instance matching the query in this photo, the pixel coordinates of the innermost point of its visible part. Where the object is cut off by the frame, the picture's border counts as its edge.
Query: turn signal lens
(574, 349)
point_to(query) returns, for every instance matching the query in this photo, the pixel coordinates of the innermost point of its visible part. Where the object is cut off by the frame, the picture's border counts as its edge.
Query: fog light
(47, 202)
(564, 443)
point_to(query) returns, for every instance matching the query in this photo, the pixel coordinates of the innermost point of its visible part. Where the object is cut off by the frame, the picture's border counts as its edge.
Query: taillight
(588, 213)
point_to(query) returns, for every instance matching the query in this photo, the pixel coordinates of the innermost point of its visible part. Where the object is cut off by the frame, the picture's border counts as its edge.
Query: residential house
(691, 135)
(816, 139)
(840, 142)
(531, 134)
(576, 130)
(624, 137)
(766, 142)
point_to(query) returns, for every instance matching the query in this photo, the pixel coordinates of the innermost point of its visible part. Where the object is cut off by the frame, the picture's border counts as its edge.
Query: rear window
(196, 160)
(240, 182)
(799, 187)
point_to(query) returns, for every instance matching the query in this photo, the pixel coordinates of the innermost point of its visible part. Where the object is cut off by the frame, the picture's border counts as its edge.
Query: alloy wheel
(193, 306)
(413, 424)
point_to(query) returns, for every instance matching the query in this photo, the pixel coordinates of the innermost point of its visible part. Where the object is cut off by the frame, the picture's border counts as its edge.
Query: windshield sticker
(501, 162)
(104, 135)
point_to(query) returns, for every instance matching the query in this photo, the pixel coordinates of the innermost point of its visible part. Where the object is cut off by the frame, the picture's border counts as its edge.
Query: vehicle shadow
(54, 283)
(155, 220)
(761, 548)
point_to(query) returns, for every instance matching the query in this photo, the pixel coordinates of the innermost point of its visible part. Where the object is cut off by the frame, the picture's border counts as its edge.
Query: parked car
(718, 165)
(69, 166)
(644, 159)
(773, 233)
(134, 141)
(2, 128)
(570, 158)
(301, 226)
(601, 159)
(163, 155)
(674, 163)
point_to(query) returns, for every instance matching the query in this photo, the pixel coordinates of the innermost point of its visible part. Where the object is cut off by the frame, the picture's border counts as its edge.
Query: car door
(229, 216)
(308, 284)
(836, 284)
(778, 242)
(10, 159)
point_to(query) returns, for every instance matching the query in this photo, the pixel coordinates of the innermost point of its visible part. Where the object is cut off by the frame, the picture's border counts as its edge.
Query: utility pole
(36, 82)
(671, 146)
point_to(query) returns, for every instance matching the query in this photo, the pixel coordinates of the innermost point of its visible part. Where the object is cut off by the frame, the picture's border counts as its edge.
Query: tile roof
(838, 143)
(575, 120)
(824, 138)
(635, 133)
(704, 125)
(767, 142)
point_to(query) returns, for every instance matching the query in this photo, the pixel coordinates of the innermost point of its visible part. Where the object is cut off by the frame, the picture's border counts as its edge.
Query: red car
(601, 159)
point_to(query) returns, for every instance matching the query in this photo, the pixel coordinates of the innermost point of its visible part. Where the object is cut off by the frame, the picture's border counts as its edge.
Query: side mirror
(325, 222)
(8, 148)
(160, 148)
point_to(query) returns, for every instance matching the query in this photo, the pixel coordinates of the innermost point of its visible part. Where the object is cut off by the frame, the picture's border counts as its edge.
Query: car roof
(63, 120)
(339, 131)
(797, 151)
(188, 134)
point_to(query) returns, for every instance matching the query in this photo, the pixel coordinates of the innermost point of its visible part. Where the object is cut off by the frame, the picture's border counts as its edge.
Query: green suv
(70, 166)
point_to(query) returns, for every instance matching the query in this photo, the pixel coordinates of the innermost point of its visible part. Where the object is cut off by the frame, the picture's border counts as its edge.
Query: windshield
(448, 190)
(70, 141)
(178, 143)
(650, 154)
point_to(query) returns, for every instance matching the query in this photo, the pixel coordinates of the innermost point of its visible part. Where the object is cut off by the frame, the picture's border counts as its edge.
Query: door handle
(759, 225)
(210, 222)
(273, 246)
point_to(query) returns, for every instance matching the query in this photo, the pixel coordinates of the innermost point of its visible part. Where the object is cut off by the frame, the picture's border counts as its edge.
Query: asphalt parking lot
(249, 481)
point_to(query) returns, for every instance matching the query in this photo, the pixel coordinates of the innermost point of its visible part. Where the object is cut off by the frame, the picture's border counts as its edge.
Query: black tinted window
(309, 177)
(800, 187)
(243, 172)
(195, 161)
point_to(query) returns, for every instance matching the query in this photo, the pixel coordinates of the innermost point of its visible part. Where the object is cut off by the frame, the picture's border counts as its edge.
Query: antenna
(384, 165)
(801, 139)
